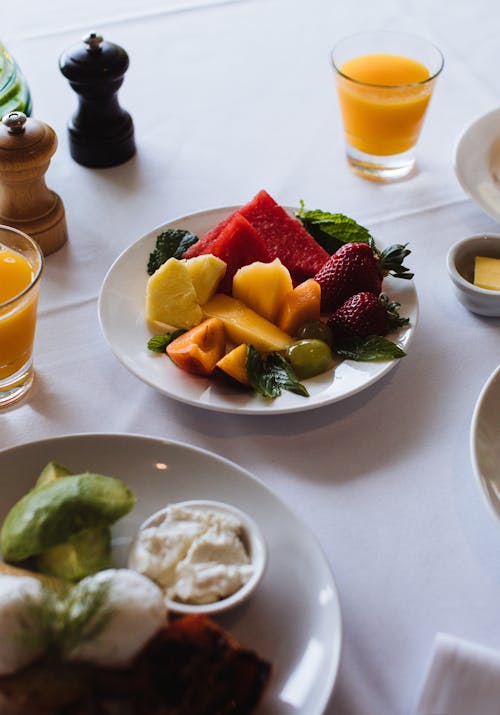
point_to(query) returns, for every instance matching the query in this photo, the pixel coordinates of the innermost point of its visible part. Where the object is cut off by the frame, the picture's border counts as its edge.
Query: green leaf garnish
(332, 230)
(158, 343)
(172, 243)
(271, 376)
(369, 349)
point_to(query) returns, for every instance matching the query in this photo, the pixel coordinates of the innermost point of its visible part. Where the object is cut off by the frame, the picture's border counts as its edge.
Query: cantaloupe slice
(234, 364)
(171, 297)
(244, 325)
(262, 287)
(300, 305)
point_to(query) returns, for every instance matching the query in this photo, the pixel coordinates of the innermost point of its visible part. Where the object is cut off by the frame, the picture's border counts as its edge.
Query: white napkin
(463, 678)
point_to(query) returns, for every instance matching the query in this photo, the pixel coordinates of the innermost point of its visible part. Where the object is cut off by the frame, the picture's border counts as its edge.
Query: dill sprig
(61, 618)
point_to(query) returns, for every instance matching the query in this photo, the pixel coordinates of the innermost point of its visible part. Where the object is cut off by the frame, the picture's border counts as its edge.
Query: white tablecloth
(228, 98)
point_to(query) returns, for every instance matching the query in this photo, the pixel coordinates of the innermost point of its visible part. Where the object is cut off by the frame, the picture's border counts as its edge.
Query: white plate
(485, 441)
(121, 315)
(293, 619)
(477, 162)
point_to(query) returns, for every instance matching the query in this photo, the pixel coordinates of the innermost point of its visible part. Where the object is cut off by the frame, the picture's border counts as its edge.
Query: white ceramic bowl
(460, 262)
(485, 442)
(253, 541)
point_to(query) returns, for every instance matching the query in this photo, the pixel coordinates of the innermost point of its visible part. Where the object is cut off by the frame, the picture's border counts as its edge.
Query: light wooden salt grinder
(26, 146)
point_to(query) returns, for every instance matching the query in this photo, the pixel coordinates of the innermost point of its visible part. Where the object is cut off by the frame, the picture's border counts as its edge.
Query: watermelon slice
(285, 237)
(200, 247)
(238, 244)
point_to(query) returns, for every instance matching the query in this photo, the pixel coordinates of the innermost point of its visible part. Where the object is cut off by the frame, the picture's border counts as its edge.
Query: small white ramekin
(253, 541)
(460, 263)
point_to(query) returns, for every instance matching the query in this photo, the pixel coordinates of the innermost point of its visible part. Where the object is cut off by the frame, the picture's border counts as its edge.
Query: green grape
(316, 330)
(309, 357)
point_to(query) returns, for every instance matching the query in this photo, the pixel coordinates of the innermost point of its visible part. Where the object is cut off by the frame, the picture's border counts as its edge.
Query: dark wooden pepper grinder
(26, 146)
(101, 133)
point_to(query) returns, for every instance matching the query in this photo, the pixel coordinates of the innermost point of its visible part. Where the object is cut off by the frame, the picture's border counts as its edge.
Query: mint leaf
(255, 371)
(332, 230)
(271, 376)
(172, 243)
(158, 343)
(369, 349)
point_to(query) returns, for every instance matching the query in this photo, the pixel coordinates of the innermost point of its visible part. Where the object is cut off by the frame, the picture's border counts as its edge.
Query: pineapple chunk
(244, 325)
(206, 272)
(171, 297)
(262, 287)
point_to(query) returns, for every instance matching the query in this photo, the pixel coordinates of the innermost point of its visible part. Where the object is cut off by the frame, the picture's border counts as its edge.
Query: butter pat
(487, 272)
(195, 555)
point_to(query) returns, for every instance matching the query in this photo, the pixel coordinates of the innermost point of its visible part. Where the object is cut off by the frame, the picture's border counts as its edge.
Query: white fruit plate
(122, 320)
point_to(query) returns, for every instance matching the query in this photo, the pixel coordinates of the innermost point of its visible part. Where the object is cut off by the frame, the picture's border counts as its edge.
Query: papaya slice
(198, 350)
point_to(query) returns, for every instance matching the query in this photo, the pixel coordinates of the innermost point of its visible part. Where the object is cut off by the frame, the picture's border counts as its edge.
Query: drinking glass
(21, 264)
(384, 83)
(14, 91)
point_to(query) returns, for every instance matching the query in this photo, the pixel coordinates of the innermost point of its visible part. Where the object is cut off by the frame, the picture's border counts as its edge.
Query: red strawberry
(365, 314)
(352, 269)
(355, 268)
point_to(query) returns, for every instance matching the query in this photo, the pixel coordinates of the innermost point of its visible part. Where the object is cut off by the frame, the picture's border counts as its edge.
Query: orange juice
(17, 318)
(383, 99)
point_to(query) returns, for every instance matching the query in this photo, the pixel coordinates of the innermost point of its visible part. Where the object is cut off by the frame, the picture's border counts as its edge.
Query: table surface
(227, 98)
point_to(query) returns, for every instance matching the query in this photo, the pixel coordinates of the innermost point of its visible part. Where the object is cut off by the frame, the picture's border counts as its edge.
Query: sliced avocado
(51, 514)
(85, 553)
(52, 471)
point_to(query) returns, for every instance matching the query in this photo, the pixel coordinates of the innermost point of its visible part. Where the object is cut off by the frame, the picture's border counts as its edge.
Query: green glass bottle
(14, 90)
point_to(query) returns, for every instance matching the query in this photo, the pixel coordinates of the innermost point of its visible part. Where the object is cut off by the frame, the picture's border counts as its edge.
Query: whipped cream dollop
(195, 555)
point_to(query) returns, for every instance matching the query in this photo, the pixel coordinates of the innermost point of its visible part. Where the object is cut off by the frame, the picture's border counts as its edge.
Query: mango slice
(171, 297)
(262, 287)
(234, 364)
(244, 325)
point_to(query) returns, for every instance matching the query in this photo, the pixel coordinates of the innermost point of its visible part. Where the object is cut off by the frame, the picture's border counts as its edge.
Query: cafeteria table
(229, 97)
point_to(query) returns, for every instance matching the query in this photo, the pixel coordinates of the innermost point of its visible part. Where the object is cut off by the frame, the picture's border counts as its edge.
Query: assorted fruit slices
(277, 279)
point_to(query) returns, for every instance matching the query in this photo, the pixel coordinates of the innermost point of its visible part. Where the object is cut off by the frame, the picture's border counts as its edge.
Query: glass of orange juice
(21, 264)
(384, 84)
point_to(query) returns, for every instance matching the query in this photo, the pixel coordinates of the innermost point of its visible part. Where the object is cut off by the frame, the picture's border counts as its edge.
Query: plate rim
(265, 409)
(459, 162)
(338, 638)
(476, 468)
